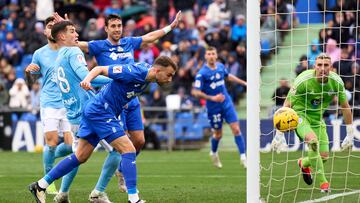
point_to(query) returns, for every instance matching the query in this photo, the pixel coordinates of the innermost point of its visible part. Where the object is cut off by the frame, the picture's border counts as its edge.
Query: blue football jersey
(109, 54)
(128, 82)
(71, 69)
(211, 82)
(50, 94)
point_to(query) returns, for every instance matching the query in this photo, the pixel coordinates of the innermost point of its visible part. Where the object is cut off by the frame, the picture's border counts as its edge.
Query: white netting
(293, 33)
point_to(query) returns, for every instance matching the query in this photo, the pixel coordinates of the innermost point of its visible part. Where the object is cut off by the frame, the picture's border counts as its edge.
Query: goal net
(292, 34)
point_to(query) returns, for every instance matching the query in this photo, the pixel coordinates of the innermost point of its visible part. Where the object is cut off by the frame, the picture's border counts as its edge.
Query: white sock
(242, 156)
(43, 184)
(133, 198)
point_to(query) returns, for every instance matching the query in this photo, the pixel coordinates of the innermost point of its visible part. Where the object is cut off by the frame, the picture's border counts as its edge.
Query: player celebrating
(210, 85)
(53, 113)
(70, 66)
(310, 96)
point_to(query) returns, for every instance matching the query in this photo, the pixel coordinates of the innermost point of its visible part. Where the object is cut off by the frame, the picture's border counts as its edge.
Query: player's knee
(51, 139)
(236, 131)
(82, 158)
(217, 136)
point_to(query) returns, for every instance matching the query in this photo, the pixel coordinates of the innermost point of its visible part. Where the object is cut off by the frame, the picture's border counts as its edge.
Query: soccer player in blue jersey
(100, 120)
(53, 112)
(117, 50)
(69, 69)
(210, 85)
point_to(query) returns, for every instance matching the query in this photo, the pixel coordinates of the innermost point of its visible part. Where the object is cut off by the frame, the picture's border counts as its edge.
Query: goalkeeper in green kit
(310, 96)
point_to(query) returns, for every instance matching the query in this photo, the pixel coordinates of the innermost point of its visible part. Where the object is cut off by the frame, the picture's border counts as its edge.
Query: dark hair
(165, 61)
(111, 17)
(48, 20)
(303, 58)
(60, 27)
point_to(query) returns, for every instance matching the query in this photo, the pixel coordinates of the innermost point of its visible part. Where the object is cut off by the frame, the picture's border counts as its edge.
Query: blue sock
(62, 168)
(128, 168)
(239, 140)
(214, 144)
(110, 165)
(63, 150)
(48, 158)
(67, 180)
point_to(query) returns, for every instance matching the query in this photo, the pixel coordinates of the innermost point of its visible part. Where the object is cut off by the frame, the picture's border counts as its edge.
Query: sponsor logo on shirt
(70, 101)
(117, 69)
(213, 85)
(114, 56)
(120, 49)
(81, 59)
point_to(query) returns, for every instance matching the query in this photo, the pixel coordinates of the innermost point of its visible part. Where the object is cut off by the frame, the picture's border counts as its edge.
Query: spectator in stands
(313, 52)
(113, 9)
(238, 32)
(3, 30)
(184, 52)
(217, 12)
(185, 100)
(268, 27)
(332, 50)
(21, 33)
(282, 16)
(91, 31)
(146, 54)
(5, 67)
(181, 33)
(343, 66)
(36, 39)
(12, 49)
(281, 92)
(10, 79)
(166, 49)
(4, 96)
(186, 8)
(130, 28)
(303, 65)
(162, 12)
(234, 68)
(339, 31)
(35, 98)
(19, 94)
(157, 100)
(241, 56)
(29, 18)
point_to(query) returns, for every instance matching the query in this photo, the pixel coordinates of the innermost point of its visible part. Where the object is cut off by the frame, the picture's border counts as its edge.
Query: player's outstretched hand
(349, 139)
(86, 85)
(218, 98)
(58, 18)
(32, 68)
(175, 23)
(278, 143)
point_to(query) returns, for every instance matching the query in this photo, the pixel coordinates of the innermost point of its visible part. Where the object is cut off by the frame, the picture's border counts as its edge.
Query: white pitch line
(330, 197)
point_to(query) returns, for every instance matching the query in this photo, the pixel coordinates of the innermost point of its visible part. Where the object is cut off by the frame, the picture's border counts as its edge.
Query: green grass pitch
(185, 177)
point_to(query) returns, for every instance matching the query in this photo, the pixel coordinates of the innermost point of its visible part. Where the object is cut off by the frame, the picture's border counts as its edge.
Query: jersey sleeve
(296, 92)
(94, 47)
(127, 73)
(341, 88)
(136, 42)
(226, 72)
(198, 82)
(35, 60)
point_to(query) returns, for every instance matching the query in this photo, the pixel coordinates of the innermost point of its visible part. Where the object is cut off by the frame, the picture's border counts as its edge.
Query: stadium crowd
(205, 23)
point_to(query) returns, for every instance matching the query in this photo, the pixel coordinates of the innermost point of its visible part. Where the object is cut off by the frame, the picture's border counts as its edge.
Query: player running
(210, 85)
(310, 96)
(53, 113)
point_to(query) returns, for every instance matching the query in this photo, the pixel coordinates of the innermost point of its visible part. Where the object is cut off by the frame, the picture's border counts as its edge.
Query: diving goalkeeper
(310, 96)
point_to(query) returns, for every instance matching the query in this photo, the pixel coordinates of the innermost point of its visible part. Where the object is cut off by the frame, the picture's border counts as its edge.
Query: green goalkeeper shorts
(305, 127)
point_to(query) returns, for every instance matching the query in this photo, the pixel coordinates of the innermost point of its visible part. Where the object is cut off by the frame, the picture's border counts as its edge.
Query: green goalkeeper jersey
(310, 98)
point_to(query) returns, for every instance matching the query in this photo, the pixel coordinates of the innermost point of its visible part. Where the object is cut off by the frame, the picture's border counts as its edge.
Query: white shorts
(54, 120)
(75, 144)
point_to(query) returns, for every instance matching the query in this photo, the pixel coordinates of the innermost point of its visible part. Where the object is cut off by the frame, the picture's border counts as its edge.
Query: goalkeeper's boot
(139, 201)
(51, 190)
(62, 197)
(325, 187)
(216, 160)
(306, 173)
(37, 192)
(98, 197)
(121, 181)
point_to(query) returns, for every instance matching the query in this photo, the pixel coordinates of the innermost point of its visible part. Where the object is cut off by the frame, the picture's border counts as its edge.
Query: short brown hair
(211, 48)
(165, 61)
(49, 19)
(323, 56)
(111, 17)
(60, 27)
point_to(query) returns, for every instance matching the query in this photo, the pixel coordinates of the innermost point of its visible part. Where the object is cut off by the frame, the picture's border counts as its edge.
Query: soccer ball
(285, 119)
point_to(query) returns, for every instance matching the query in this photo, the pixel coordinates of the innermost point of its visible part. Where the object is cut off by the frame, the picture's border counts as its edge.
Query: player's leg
(216, 121)
(324, 153)
(50, 126)
(135, 126)
(63, 167)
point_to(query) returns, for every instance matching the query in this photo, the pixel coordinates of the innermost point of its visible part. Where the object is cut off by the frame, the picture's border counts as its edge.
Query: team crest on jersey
(331, 92)
(212, 78)
(81, 58)
(120, 49)
(217, 76)
(197, 83)
(117, 69)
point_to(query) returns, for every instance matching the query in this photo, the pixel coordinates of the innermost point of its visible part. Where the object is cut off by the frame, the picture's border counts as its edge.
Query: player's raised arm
(157, 34)
(233, 78)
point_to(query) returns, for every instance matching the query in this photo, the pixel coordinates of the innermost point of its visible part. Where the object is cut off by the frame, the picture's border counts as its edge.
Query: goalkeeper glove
(349, 139)
(278, 143)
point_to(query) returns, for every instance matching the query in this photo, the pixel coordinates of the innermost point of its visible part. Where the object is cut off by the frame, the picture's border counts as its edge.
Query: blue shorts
(131, 116)
(97, 124)
(216, 116)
